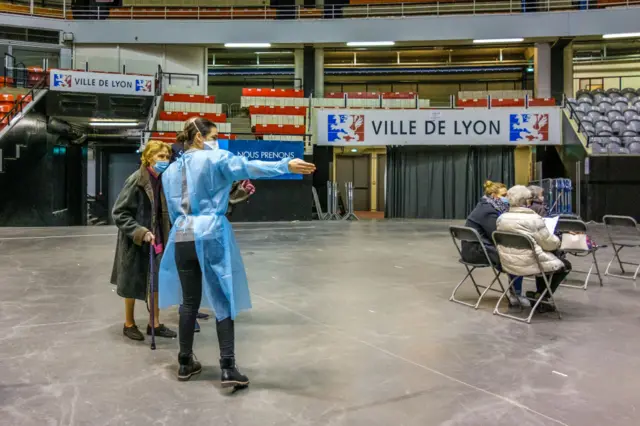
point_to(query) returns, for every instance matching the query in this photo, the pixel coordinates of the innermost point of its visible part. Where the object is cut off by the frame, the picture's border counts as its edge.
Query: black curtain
(442, 182)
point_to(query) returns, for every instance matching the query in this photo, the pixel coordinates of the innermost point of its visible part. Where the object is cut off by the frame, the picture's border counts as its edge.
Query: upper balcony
(361, 20)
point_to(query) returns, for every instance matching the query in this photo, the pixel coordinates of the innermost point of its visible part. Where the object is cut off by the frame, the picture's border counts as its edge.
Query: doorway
(381, 182)
(356, 169)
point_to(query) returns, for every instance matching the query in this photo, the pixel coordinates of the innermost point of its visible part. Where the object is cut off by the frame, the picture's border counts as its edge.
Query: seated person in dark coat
(483, 219)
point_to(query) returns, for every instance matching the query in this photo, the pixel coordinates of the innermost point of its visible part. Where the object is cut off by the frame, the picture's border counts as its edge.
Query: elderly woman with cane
(140, 213)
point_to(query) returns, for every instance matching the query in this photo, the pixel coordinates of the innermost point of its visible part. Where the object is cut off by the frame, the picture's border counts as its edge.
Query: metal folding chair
(578, 226)
(463, 233)
(631, 239)
(513, 240)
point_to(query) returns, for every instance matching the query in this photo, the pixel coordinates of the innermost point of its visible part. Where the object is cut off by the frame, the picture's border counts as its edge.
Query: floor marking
(48, 324)
(559, 373)
(424, 367)
(48, 237)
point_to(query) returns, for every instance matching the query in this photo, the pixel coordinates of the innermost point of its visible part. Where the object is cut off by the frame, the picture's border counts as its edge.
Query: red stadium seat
(472, 103)
(279, 129)
(273, 93)
(539, 102)
(276, 110)
(198, 99)
(183, 116)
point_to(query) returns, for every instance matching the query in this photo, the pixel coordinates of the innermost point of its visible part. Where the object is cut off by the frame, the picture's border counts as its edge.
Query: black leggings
(191, 281)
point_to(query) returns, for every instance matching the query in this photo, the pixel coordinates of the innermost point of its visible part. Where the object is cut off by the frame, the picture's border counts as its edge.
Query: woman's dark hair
(199, 125)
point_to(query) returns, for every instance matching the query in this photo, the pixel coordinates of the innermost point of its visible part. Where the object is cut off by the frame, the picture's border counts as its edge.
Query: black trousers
(191, 281)
(556, 279)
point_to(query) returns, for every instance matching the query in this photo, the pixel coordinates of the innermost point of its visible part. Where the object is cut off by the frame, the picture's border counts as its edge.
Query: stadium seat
(619, 125)
(598, 149)
(634, 148)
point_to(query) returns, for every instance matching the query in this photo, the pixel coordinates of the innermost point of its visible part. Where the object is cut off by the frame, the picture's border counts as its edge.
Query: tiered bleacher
(179, 107)
(610, 120)
(15, 92)
(502, 98)
(276, 114)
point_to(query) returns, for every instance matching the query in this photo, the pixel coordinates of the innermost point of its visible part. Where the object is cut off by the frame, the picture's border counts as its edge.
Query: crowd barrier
(333, 210)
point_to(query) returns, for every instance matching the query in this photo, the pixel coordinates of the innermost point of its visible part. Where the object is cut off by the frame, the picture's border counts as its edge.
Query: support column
(542, 70)
(319, 73)
(298, 68)
(567, 62)
(562, 69)
(308, 71)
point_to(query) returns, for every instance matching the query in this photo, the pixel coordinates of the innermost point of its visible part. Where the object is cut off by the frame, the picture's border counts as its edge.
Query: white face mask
(211, 145)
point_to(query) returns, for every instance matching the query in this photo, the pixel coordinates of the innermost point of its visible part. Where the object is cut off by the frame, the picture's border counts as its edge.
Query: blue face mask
(504, 200)
(160, 166)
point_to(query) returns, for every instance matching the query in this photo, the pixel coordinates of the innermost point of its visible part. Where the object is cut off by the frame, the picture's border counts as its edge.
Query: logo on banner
(345, 128)
(62, 80)
(143, 86)
(529, 127)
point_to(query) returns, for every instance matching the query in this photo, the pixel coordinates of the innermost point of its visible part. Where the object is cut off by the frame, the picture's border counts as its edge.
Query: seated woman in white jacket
(522, 220)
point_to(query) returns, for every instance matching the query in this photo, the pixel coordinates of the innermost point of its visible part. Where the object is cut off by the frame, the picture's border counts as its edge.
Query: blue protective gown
(196, 187)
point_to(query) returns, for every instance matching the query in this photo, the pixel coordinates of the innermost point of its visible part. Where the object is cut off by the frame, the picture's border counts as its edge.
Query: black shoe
(231, 377)
(202, 316)
(162, 331)
(189, 366)
(132, 332)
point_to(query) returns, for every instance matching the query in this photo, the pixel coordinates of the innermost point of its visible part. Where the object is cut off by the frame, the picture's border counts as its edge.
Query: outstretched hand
(301, 167)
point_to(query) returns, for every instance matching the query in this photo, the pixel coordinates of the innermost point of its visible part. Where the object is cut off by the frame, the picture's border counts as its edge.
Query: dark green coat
(132, 214)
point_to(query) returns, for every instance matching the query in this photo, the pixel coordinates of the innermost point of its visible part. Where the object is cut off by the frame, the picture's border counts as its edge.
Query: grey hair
(536, 191)
(518, 196)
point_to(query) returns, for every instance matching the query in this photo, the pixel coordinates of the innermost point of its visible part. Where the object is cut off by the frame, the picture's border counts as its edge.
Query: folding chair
(463, 233)
(522, 242)
(578, 226)
(631, 240)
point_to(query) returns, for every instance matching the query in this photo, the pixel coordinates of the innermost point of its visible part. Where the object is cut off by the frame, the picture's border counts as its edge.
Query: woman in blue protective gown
(202, 259)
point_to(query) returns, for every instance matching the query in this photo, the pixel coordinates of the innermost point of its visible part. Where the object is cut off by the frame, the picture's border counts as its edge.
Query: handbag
(574, 242)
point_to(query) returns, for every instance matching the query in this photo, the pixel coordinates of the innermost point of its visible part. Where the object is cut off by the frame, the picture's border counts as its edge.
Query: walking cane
(152, 273)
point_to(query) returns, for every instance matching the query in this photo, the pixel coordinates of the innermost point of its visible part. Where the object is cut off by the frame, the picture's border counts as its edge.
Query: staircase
(15, 103)
(242, 127)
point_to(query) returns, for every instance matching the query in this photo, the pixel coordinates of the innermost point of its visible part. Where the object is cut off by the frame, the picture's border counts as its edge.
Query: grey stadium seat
(619, 125)
(585, 99)
(588, 129)
(614, 113)
(621, 104)
(628, 92)
(604, 130)
(598, 149)
(629, 134)
(587, 119)
(634, 125)
(634, 148)
(614, 148)
(582, 92)
(599, 97)
(594, 114)
(630, 114)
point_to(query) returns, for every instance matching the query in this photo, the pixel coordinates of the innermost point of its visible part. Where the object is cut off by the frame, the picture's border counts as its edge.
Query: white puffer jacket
(522, 220)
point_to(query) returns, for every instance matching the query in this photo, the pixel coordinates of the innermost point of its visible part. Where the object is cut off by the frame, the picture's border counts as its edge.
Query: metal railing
(387, 10)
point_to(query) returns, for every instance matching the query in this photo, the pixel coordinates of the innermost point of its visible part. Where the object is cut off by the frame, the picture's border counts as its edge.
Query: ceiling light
(247, 45)
(498, 40)
(275, 52)
(113, 123)
(621, 35)
(370, 43)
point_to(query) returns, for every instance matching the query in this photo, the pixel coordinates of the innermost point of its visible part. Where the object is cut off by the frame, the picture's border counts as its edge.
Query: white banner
(471, 126)
(95, 82)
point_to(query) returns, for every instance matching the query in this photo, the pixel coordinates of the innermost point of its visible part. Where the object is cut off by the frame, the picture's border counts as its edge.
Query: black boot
(231, 377)
(189, 366)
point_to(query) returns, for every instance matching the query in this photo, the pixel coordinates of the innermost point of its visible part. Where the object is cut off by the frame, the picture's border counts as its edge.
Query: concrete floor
(351, 326)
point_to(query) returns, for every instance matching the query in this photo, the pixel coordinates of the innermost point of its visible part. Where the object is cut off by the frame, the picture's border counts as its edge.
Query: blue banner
(266, 151)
